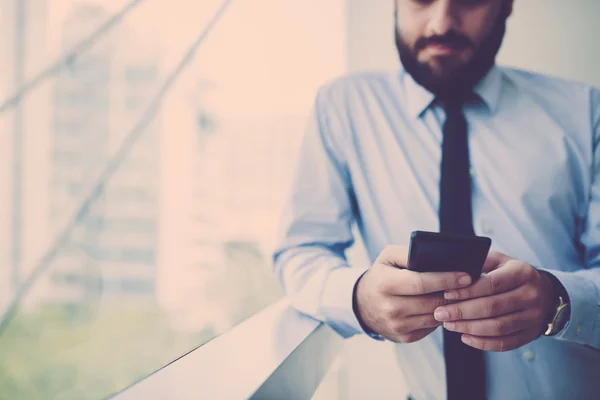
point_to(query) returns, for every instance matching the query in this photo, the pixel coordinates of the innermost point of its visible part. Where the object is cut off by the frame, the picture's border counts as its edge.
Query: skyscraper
(23, 53)
(112, 252)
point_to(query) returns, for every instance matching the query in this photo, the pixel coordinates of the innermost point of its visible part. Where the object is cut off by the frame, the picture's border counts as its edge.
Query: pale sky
(259, 46)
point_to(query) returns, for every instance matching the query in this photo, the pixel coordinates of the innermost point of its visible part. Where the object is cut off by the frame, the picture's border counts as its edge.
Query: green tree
(46, 356)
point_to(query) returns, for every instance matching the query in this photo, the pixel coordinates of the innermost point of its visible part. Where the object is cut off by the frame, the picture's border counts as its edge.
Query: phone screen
(438, 252)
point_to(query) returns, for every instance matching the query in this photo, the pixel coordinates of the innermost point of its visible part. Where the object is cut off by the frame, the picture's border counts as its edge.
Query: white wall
(550, 36)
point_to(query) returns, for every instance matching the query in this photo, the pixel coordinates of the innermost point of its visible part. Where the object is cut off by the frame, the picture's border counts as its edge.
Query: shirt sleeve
(316, 227)
(583, 287)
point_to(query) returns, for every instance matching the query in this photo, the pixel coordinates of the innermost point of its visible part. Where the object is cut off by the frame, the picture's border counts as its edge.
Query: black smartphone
(440, 252)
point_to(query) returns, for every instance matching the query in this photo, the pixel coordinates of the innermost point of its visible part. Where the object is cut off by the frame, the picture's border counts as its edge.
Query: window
(137, 286)
(69, 279)
(205, 154)
(121, 254)
(135, 102)
(96, 69)
(69, 158)
(122, 225)
(141, 73)
(132, 193)
(137, 255)
(73, 128)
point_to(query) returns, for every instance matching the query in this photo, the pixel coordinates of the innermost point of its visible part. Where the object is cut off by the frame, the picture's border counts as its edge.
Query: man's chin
(443, 78)
(443, 69)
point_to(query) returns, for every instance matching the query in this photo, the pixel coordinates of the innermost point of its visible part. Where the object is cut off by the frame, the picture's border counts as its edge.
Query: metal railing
(278, 353)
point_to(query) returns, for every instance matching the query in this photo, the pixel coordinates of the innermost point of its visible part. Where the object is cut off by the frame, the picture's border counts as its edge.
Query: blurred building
(241, 174)
(245, 173)
(97, 101)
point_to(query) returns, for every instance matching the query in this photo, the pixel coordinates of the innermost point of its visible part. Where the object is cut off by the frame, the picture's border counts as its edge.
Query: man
(454, 143)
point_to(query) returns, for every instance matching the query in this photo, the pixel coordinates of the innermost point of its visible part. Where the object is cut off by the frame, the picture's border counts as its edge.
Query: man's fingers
(415, 323)
(500, 343)
(492, 327)
(402, 282)
(494, 261)
(501, 280)
(410, 337)
(425, 304)
(394, 256)
(483, 307)
(402, 307)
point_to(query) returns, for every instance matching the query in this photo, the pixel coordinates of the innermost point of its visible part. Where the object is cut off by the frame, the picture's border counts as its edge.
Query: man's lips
(443, 49)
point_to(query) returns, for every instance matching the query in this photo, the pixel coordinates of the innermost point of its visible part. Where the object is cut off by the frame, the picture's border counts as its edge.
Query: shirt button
(529, 355)
(487, 229)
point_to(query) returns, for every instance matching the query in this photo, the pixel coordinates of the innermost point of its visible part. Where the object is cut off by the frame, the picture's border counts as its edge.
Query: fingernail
(451, 295)
(449, 325)
(441, 315)
(466, 339)
(464, 280)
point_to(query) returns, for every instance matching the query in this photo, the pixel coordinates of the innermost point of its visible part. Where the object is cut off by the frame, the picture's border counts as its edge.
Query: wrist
(557, 312)
(370, 332)
(550, 297)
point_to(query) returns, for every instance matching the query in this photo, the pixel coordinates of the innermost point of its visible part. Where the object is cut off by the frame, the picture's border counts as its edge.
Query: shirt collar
(490, 88)
(420, 99)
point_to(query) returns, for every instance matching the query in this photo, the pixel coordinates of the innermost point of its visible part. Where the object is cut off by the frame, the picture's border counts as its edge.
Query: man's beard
(465, 77)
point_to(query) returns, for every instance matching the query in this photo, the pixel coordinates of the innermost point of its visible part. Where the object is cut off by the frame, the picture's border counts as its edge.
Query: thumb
(394, 256)
(494, 261)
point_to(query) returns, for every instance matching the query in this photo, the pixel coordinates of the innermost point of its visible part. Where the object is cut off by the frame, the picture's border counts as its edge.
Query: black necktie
(465, 369)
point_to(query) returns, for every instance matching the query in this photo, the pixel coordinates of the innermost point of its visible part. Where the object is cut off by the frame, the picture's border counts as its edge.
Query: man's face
(445, 43)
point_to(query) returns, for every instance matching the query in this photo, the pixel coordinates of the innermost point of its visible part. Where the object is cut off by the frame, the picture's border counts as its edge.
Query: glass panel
(175, 246)
(333, 383)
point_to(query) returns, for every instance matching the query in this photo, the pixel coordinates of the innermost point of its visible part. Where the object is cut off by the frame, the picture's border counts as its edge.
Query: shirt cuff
(582, 324)
(336, 301)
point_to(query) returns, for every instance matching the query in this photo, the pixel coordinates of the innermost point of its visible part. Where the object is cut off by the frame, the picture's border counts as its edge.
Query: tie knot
(456, 100)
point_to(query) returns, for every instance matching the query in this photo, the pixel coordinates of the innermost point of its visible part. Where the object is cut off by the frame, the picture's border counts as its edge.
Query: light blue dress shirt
(371, 157)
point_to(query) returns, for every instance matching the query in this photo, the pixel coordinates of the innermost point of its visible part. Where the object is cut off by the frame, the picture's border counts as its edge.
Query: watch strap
(561, 305)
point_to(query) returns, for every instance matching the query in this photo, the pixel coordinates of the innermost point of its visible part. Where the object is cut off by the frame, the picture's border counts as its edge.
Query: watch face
(561, 319)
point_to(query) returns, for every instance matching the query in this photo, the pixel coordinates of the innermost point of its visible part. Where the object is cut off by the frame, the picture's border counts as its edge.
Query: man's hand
(505, 309)
(397, 303)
